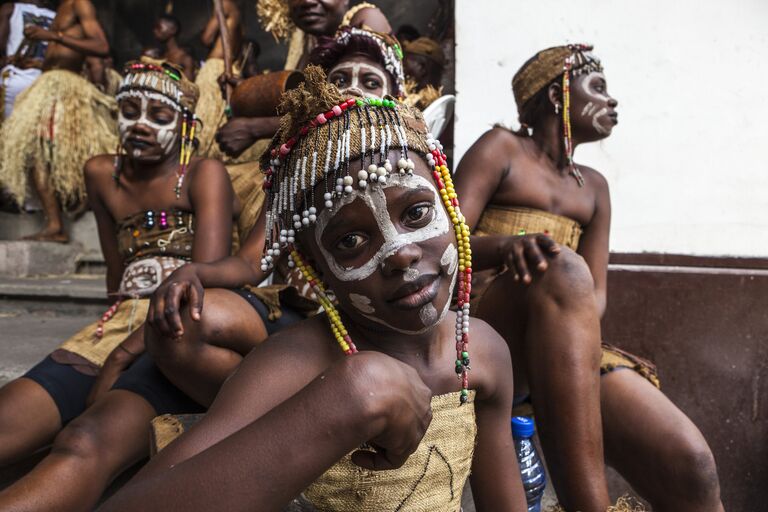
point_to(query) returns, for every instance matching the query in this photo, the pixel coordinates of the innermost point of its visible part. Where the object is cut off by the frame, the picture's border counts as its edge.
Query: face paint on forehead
(166, 133)
(376, 201)
(356, 70)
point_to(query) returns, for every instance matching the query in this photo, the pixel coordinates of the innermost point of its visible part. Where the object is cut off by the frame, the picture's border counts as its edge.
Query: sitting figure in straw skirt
(61, 120)
(534, 209)
(157, 209)
(321, 410)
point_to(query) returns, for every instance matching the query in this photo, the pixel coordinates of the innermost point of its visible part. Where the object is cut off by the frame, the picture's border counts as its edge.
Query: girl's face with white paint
(388, 252)
(362, 75)
(593, 110)
(149, 128)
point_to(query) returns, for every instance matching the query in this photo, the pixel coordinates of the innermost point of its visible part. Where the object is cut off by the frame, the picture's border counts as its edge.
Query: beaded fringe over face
(322, 137)
(569, 61)
(158, 80)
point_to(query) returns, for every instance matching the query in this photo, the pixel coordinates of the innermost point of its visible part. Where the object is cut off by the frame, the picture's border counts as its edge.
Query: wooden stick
(225, 43)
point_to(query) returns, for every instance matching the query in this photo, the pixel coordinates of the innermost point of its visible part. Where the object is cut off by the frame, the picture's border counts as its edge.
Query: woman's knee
(567, 280)
(694, 468)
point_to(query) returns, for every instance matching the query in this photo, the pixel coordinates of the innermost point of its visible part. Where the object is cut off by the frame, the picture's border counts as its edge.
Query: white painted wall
(688, 162)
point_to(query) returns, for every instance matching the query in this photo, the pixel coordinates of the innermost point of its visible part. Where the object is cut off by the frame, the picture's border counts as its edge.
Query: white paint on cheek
(166, 134)
(450, 259)
(440, 318)
(376, 201)
(362, 303)
(599, 128)
(411, 274)
(599, 99)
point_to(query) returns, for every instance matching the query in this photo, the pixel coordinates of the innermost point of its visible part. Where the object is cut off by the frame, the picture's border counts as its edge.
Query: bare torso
(59, 56)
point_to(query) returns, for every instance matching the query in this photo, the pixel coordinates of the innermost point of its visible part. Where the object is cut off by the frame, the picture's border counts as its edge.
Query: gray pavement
(26, 337)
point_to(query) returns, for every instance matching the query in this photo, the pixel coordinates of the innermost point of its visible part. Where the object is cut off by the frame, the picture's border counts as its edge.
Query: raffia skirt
(61, 120)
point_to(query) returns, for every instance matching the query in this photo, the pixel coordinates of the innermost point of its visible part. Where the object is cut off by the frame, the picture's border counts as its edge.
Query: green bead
(458, 362)
(464, 392)
(465, 354)
(360, 103)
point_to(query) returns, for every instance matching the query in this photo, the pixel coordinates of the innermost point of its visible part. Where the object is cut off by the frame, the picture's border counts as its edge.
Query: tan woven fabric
(624, 504)
(210, 107)
(61, 120)
(508, 220)
(128, 317)
(544, 67)
(431, 480)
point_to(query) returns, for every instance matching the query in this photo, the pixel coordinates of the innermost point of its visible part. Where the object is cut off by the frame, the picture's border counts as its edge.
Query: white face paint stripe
(450, 259)
(375, 199)
(166, 133)
(411, 274)
(362, 303)
(593, 110)
(356, 69)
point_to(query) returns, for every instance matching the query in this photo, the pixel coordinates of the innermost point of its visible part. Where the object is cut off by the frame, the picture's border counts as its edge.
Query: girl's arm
(495, 479)
(98, 176)
(212, 199)
(593, 246)
(187, 284)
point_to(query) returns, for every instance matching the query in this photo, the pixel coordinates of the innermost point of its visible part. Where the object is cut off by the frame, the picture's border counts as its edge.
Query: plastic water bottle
(531, 469)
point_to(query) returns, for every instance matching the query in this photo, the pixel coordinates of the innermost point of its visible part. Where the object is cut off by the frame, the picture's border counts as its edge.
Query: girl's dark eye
(339, 81)
(419, 214)
(372, 83)
(350, 242)
(130, 112)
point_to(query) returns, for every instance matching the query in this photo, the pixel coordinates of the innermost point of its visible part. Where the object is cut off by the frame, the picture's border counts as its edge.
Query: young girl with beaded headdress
(527, 183)
(360, 196)
(154, 205)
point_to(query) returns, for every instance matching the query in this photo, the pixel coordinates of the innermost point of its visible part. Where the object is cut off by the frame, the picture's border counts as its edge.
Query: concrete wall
(687, 162)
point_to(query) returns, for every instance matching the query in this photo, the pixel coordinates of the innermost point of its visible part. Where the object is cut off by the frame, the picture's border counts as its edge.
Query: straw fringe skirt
(62, 120)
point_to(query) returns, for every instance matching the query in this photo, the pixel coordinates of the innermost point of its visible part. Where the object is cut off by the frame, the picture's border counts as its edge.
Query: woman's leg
(110, 436)
(553, 330)
(29, 419)
(211, 348)
(656, 447)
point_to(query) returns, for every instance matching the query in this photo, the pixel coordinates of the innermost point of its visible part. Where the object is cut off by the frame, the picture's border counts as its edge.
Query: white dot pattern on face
(375, 199)
(166, 133)
(355, 69)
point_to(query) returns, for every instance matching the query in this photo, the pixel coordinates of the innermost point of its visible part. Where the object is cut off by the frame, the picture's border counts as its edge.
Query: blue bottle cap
(523, 427)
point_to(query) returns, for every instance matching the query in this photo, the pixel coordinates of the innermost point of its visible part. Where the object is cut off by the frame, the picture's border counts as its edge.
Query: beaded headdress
(388, 52)
(569, 61)
(341, 143)
(164, 82)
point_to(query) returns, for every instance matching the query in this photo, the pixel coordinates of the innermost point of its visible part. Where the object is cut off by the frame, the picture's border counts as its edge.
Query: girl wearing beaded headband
(146, 232)
(360, 196)
(544, 83)
(147, 86)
